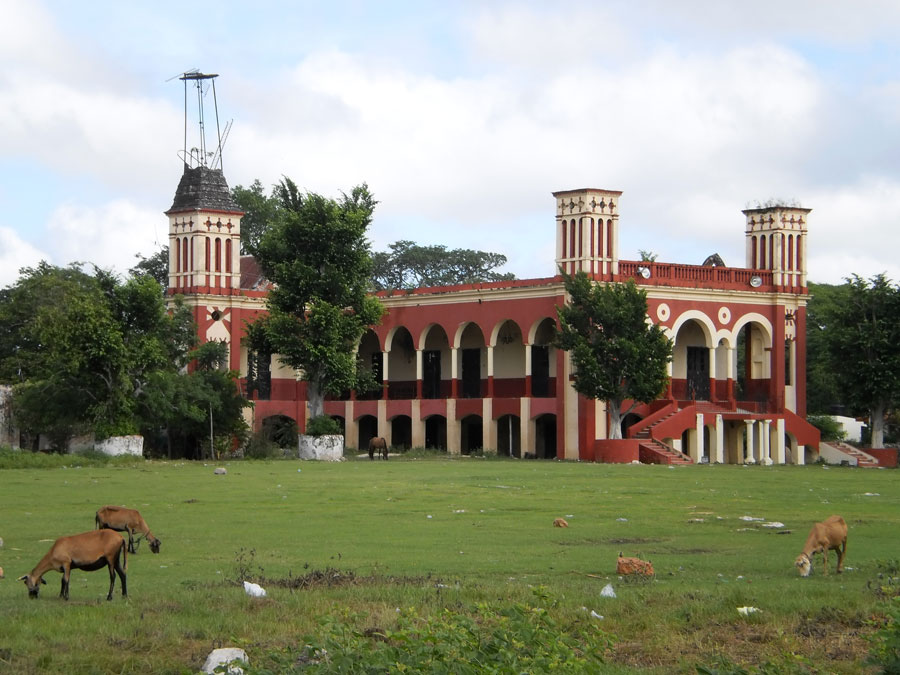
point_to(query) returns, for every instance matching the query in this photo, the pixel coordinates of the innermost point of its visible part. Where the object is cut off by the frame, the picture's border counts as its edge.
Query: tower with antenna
(204, 220)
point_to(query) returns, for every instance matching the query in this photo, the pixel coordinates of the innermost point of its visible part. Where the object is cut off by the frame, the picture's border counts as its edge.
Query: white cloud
(14, 255)
(109, 236)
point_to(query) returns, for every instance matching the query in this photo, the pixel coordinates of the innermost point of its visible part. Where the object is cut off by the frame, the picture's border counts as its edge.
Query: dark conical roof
(203, 188)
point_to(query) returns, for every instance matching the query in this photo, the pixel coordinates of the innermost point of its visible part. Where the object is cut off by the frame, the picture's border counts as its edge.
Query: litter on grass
(747, 611)
(254, 590)
(607, 592)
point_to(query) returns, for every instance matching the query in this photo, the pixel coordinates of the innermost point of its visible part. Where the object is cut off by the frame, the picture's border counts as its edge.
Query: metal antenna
(201, 155)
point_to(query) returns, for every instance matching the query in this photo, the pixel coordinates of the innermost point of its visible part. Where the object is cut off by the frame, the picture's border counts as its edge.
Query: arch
(207, 254)
(436, 362)
(541, 331)
(753, 247)
(508, 360)
(401, 359)
(177, 255)
(692, 368)
(762, 252)
(706, 325)
(436, 432)
(280, 430)
(218, 254)
(371, 360)
(545, 436)
(401, 432)
(751, 317)
(470, 434)
(368, 429)
(228, 246)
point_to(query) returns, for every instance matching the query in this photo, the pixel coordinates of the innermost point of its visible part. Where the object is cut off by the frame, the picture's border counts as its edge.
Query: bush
(522, 638)
(886, 642)
(260, 446)
(323, 425)
(828, 426)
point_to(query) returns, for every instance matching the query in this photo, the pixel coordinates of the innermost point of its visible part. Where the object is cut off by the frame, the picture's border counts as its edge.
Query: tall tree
(91, 353)
(317, 255)
(823, 392)
(617, 355)
(156, 267)
(408, 265)
(863, 336)
(259, 210)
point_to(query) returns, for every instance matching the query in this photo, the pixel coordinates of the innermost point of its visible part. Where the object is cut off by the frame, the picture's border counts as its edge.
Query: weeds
(524, 637)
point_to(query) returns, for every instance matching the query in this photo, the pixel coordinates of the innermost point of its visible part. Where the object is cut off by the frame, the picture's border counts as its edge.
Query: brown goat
(120, 519)
(380, 444)
(829, 535)
(88, 551)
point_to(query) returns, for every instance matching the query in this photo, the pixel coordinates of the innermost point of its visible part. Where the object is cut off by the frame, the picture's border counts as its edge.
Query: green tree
(616, 354)
(259, 210)
(408, 265)
(317, 255)
(88, 353)
(823, 393)
(863, 337)
(155, 267)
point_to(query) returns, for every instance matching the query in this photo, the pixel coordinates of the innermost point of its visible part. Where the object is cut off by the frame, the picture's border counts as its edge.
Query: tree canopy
(317, 255)
(823, 392)
(408, 265)
(862, 334)
(616, 354)
(90, 353)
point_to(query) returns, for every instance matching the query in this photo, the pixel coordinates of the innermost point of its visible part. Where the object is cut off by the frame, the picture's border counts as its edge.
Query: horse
(378, 443)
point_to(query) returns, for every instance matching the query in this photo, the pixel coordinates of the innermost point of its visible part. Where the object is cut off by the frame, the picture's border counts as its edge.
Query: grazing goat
(627, 566)
(121, 519)
(830, 534)
(88, 551)
(378, 443)
(560, 522)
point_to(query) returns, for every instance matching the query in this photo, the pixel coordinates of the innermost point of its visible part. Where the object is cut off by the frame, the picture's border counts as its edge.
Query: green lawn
(436, 533)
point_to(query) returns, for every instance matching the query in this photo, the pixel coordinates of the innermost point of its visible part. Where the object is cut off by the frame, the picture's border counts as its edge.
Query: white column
(697, 450)
(779, 441)
(749, 454)
(765, 442)
(719, 443)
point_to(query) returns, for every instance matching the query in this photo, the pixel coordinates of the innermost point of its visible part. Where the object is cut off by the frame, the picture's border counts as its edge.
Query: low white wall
(851, 426)
(833, 455)
(121, 445)
(326, 448)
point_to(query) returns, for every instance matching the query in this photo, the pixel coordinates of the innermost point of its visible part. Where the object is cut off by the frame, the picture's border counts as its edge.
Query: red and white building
(472, 367)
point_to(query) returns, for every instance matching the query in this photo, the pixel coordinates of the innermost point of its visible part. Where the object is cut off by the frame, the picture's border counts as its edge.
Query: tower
(587, 231)
(205, 229)
(776, 240)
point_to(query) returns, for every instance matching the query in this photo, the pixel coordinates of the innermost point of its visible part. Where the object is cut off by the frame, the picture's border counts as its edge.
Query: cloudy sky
(462, 117)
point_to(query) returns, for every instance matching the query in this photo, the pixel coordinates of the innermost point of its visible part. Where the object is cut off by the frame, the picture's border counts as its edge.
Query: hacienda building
(472, 368)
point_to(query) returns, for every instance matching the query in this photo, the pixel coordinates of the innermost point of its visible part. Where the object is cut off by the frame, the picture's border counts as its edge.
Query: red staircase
(651, 450)
(863, 460)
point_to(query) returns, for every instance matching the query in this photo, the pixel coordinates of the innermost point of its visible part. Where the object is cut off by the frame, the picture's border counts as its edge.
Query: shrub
(323, 425)
(828, 426)
(522, 638)
(885, 650)
(260, 446)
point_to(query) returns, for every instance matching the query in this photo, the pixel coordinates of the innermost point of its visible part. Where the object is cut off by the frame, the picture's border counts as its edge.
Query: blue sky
(462, 117)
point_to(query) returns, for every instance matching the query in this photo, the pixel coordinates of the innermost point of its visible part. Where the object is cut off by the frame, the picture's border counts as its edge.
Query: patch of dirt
(331, 577)
(633, 540)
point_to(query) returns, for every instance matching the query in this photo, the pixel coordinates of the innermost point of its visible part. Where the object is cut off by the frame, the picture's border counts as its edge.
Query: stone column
(779, 440)
(719, 442)
(749, 454)
(765, 442)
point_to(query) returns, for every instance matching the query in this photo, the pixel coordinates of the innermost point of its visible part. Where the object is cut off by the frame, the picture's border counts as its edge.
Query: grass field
(372, 537)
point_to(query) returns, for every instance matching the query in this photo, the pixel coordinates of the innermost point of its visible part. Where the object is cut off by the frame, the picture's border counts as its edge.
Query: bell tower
(587, 231)
(776, 240)
(204, 220)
